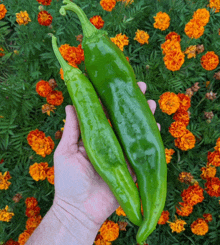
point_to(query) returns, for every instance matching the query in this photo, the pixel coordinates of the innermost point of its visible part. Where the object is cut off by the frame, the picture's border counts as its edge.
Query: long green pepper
(100, 141)
(133, 122)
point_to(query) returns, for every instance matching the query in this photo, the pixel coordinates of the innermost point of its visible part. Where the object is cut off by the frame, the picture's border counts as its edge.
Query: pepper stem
(88, 28)
(65, 66)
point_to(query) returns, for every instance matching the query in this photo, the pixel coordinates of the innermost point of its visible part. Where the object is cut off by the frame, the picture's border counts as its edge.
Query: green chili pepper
(100, 141)
(132, 120)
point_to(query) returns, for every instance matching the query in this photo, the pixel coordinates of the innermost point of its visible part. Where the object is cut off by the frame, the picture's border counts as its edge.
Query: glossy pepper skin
(100, 141)
(133, 122)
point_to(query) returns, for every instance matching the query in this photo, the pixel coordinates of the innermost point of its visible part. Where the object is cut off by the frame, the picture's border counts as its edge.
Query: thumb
(71, 132)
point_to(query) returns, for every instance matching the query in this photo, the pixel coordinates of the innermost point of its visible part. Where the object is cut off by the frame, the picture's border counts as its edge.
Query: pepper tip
(62, 11)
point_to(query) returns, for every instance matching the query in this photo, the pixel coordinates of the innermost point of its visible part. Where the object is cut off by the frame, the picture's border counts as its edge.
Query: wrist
(75, 221)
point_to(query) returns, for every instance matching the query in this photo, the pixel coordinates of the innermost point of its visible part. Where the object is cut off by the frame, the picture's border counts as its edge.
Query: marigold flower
(207, 217)
(185, 209)
(120, 41)
(22, 18)
(99, 240)
(44, 18)
(214, 4)
(199, 227)
(109, 230)
(208, 172)
(30, 212)
(97, 21)
(23, 237)
(162, 21)
(4, 183)
(50, 175)
(45, 2)
(177, 129)
(213, 186)
(185, 102)
(55, 98)
(170, 45)
(11, 242)
(185, 142)
(169, 102)
(120, 211)
(33, 222)
(201, 16)
(43, 147)
(34, 135)
(46, 108)
(3, 11)
(169, 153)
(1, 55)
(177, 226)
(186, 178)
(193, 29)
(31, 202)
(213, 158)
(193, 195)
(126, 2)
(38, 171)
(173, 36)
(163, 218)
(43, 88)
(174, 60)
(6, 215)
(142, 37)
(108, 5)
(181, 116)
(217, 147)
(209, 61)
(191, 51)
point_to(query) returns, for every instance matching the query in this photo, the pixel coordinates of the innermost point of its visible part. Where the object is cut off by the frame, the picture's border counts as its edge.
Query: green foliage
(21, 106)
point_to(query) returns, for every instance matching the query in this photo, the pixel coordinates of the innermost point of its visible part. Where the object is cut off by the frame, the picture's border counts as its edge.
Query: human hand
(78, 187)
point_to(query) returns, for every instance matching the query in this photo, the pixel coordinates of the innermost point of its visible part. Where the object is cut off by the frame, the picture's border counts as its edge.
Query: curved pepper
(132, 120)
(100, 142)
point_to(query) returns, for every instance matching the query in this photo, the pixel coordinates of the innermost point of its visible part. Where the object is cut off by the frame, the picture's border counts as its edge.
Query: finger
(142, 86)
(152, 104)
(71, 131)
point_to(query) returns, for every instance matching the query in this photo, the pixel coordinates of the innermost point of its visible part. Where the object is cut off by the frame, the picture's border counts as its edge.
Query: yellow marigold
(177, 226)
(213, 186)
(142, 37)
(199, 227)
(35, 135)
(108, 5)
(193, 194)
(33, 222)
(55, 98)
(120, 40)
(6, 215)
(38, 171)
(185, 209)
(4, 183)
(170, 45)
(44, 146)
(182, 116)
(162, 21)
(177, 129)
(214, 4)
(163, 218)
(120, 211)
(109, 230)
(193, 29)
(97, 21)
(185, 101)
(22, 18)
(3, 11)
(50, 175)
(23, 237)
(208, 172)
(169, 102)
(31, 202)
(191, 52)
(174, 60)
(169, 153)
(43, 88)
(201, 16)
(209, 61)
(186, 142)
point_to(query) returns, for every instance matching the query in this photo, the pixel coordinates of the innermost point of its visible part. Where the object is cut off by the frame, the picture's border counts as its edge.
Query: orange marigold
(214, 4)
(173, 36)
(38, 171)
(163, 218)
(186, 142)
(108, 5)
(30, 212)
(177, 226)
(185, 209)
(22, 18)
(174, 59)
(31, 202)
(109, 230)
(23, 237)
(55, 98)
(170, 45)
(208, 172)
(193, 195)
(193, 29)
(181, 116)
(3, 11)
(50, 175)
(120, 40)
(209, 61)
(217, 147)
(43, 88)
(33, 222)
(35, 135)
(177, 129)
(185, 102)
(142, 37)
(120, 211)
(44, 18)
(45, 2)
(201, 16)
(169, 102)
(213, 158)
(11, 242)
(213, 187)
(162, 21)
(97, 21)
(44, 146)
(99, 240)
(208, 217)
(4, 183)
(199, 227)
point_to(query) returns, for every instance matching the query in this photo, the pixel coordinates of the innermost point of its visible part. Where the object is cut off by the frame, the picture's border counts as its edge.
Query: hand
(76, 182)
